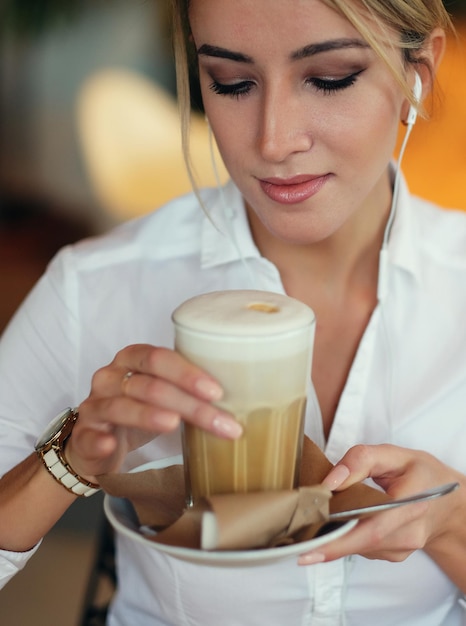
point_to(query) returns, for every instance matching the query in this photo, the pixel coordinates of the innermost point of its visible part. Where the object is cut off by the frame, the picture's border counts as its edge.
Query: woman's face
(304, 113)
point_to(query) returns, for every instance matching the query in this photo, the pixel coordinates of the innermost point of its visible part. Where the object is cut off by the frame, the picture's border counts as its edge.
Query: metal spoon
(429, 494)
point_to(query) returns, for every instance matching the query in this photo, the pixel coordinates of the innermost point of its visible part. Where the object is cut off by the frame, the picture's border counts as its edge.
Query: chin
(300, 231)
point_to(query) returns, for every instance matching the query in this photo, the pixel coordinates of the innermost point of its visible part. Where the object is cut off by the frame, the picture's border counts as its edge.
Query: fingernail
(336, 477)
(311, 559)
(227, 427)
(209, 389)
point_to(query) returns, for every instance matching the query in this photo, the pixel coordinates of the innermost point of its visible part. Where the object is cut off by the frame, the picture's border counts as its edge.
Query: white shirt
(407, 386)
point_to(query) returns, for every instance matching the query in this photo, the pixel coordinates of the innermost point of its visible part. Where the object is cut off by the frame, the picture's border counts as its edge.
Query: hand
(143, 392)
(393, 535)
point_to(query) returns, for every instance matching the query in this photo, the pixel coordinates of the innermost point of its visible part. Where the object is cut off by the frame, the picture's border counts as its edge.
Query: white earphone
(417, 94)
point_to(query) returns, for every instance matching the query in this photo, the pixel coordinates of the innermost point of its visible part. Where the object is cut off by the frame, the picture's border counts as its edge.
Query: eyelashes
(235, 90)
(329, 86)
(326, 86)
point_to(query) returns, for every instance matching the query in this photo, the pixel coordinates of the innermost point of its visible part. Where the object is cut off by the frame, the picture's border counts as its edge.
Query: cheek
(232, 136)
(364, 133)
(226, 125)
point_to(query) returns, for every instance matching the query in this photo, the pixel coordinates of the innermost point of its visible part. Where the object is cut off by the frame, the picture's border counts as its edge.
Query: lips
(293, 190)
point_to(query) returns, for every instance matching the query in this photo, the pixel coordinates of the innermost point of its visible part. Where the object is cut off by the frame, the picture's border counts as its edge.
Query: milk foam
(243, 325)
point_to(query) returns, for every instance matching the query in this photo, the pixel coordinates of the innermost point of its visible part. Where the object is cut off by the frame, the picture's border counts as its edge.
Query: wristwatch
(50, 449)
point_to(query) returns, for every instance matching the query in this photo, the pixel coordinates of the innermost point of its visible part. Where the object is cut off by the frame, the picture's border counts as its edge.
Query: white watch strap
(67, 478)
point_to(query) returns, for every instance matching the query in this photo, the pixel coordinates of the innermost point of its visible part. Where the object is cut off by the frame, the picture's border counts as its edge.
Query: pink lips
(293, 190)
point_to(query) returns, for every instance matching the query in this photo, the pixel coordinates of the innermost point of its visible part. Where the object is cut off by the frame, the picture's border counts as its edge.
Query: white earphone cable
(382, 285)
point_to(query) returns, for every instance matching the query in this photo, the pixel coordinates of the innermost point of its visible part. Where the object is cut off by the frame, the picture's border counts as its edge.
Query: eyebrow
(223, 53)
(303, 53)
(326, 46)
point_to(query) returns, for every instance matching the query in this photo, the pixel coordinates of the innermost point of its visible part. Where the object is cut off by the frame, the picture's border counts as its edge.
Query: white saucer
(122, 517)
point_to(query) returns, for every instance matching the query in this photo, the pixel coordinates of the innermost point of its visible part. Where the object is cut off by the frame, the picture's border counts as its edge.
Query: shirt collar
(226, 235)
(403, 244)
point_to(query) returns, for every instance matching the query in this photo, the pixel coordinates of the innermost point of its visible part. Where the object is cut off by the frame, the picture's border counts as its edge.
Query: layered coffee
(265, 458)
(258, 345)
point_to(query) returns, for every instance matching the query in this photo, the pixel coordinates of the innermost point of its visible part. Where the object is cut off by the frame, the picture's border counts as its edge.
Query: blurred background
(89, 137)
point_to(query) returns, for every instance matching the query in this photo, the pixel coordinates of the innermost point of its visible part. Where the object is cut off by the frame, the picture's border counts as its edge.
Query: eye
(332, 85)
(235, 90)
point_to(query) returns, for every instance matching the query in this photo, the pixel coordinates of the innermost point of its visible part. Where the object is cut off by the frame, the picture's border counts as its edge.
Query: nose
(283, 127)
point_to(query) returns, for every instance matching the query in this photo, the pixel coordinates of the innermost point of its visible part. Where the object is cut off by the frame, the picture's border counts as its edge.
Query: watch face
(53, 428)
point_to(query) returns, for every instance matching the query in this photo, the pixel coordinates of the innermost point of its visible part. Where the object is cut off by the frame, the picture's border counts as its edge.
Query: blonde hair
(403, 25)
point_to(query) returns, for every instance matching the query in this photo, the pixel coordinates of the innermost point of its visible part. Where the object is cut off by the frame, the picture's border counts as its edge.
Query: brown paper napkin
(314, 468)
(237, 521)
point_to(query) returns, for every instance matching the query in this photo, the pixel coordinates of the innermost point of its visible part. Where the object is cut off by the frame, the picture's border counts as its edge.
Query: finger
(154, 405)
(92, 453)
(168, 397)
(171, 366)
(391, 535)
(108, 428)
(103, 415)
(382, 462)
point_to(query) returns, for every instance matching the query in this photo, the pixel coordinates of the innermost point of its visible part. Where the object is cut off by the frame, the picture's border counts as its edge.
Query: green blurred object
(34, 17)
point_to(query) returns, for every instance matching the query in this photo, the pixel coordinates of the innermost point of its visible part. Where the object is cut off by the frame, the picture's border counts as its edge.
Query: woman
(304, 98)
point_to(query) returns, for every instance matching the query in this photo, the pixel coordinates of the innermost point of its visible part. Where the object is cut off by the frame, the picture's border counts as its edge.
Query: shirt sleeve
(38, 357)
(37, 376)
(13, 562)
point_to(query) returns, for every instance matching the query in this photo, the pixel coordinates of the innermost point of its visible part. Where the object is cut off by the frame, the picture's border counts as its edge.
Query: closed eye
(325, 85)
(235, 90)
(331, 85)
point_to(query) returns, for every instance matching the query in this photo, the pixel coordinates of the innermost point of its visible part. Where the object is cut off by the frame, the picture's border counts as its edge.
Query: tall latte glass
(258, 345)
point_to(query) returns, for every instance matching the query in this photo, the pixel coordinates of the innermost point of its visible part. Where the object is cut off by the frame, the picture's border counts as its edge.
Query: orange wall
(435, 158)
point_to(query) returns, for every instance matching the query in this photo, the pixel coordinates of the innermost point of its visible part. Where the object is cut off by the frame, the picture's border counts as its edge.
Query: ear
(429, 61)
(436, 46)
(433, 51)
